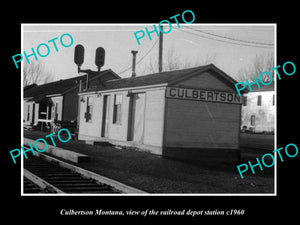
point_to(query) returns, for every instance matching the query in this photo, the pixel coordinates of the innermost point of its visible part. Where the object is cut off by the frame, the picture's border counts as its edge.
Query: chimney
(133, 62)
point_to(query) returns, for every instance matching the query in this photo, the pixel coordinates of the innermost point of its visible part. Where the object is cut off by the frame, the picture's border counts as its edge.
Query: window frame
(117, 109)
(259, 100)
(252, 120)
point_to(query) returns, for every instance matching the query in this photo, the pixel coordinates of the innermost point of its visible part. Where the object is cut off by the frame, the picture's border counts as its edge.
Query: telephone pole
(160, 50)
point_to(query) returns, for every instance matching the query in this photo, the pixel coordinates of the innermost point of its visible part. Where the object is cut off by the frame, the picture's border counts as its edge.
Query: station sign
(203, 95)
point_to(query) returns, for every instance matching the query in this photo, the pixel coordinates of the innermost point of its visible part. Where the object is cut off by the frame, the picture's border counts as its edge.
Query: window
(259, 100)
(244, 100)
(89, 109)
(252, 120)
(117, 108)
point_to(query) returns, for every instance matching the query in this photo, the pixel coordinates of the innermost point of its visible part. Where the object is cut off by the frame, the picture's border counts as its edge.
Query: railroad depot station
(189, 114)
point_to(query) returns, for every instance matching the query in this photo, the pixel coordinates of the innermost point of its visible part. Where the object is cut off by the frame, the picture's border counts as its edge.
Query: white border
(147, 24)
(22, 114)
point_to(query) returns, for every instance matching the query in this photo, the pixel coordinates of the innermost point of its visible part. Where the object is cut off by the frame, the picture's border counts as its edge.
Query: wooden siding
(152, 132)
(205, 81)
(27, 112)
(90, 130)
(201, 124)
(118, 131)
(33, 112)
(154, 117)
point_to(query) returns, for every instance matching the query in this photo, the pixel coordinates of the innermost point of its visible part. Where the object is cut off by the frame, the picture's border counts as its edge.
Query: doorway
(136, 118)
(105, 117)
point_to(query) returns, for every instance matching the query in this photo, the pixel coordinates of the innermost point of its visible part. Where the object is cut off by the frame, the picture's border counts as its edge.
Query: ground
(257, 141)
(155, 174)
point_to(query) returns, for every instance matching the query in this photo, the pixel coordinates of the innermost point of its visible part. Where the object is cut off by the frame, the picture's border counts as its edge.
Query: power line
(231, 38)
(148, 52)
(210, 38)
(140, 58)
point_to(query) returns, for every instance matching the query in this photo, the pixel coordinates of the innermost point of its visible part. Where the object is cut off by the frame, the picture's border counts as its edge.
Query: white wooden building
(258, 110)
(190, 114)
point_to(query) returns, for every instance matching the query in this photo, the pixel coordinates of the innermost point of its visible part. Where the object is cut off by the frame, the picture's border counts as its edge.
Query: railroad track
(57, 179)
(30, 187)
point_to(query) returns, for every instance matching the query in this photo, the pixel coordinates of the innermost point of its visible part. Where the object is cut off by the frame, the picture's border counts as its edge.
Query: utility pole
(160, 50)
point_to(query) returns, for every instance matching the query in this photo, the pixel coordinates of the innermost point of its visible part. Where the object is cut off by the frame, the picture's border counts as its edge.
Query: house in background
(258, 110)
(58, 101)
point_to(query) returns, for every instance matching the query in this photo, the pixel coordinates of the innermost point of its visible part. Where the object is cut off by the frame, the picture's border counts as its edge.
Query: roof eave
(95, 77)
(123, 89)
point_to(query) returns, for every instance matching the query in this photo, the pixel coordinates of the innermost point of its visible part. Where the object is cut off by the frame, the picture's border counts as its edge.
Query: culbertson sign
(203, 95)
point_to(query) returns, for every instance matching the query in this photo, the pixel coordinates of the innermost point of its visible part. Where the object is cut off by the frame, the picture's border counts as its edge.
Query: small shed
(192, 114)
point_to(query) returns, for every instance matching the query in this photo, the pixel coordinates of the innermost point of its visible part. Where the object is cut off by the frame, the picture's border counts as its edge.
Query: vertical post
(47, 111)
(133, 62)
(78, 111)
(160, 50)
(87, 81)
(130, 126)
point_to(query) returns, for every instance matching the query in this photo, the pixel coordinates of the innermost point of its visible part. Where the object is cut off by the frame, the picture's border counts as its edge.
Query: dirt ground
(257, 141)
(155, 174)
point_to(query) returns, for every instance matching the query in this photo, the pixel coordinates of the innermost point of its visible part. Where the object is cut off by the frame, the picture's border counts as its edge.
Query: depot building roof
(39, 92)
(167, 78)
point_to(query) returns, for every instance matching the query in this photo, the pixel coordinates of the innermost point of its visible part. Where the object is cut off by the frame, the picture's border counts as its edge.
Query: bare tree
(172, 61)
(260, 63)
(35, 73)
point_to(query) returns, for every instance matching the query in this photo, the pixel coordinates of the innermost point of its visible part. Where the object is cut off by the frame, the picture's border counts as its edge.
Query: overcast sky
(231, 47)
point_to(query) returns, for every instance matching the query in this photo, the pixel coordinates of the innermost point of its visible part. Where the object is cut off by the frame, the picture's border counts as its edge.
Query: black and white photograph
(162, 115)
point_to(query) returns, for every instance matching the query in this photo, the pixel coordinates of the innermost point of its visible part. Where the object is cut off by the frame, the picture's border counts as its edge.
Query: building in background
(58, 101)
(258, 110)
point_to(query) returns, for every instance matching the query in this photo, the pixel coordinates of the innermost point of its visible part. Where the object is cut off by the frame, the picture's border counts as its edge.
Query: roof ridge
(164, 72)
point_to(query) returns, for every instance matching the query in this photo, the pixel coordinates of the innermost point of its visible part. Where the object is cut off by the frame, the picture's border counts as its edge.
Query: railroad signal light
(79, 58)
(100, 57)
(79, 55)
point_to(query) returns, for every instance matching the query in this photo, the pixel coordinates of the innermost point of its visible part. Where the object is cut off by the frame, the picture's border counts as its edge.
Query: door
(136, 118)
(105, 117)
